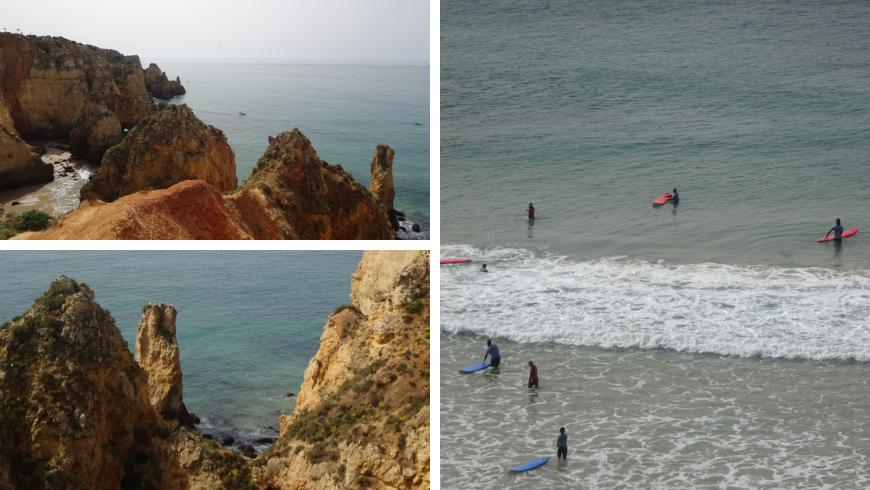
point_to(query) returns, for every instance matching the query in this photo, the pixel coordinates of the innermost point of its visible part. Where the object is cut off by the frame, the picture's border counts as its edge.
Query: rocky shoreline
(61, 195)
(143, 188)
(78, 411)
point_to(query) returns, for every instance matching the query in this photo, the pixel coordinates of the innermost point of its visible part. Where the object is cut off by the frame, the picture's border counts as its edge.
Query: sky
(364, 30)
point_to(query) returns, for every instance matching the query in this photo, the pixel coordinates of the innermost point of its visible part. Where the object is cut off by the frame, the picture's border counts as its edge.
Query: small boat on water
(242, 114)
(418, 124)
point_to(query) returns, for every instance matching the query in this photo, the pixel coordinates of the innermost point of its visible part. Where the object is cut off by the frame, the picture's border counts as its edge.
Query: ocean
(248, 321)
(709, 344)
(346, 110)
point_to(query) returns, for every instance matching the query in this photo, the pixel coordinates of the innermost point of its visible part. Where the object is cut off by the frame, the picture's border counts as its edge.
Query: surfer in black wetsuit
(562, 444)
(838, 232)
(531, 211)
(492, 352)
(675, 197)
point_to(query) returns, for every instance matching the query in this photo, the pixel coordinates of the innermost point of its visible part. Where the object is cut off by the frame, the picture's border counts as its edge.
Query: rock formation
(176, 88)
(381, 183)
(291, 194)
(157, 354)
(19, 165)
(191, 210)
(162, 150)
(75, 406)
(95, 130)
(157, 83)
(75, 410)
(362, 415)
(46, 82)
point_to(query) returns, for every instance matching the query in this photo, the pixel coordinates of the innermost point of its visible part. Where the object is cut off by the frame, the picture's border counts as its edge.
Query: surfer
(492, 352)
(483, 269)
(562, 444)
(531, 211)
(533, 375)
(675, 197)
(838, 232)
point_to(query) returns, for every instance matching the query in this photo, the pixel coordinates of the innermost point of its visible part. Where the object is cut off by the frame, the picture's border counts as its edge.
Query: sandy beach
(57, 197)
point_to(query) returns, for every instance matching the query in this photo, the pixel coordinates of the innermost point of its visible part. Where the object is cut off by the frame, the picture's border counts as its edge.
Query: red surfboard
(845, 234)
(454, 261)
(665, 198)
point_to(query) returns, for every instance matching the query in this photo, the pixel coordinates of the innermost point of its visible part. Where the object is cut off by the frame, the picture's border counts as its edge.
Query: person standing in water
(483, 269)
(838, 232)
(492, 352)
(675, 197)
(562, 444)
(531, 211)
(533, 375)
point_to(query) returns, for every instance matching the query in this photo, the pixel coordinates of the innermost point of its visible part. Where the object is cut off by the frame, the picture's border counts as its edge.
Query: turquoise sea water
(248, 322)
(713, 344)
(345, 110)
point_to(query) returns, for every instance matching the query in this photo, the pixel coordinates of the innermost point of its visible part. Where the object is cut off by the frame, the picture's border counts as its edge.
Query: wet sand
(57, 197)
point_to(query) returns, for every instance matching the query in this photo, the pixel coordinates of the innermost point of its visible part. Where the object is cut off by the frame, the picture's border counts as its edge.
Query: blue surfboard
(530, 465)
(476, 367)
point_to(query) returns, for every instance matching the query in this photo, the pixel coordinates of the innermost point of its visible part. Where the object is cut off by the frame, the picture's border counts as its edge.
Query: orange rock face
(191, 210)
(46, 81)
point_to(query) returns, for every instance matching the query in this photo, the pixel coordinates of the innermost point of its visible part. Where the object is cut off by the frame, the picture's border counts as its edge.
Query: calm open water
(248, 321)
(713, 344)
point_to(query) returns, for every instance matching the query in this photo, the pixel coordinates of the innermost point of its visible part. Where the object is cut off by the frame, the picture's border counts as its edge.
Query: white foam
(620, 302)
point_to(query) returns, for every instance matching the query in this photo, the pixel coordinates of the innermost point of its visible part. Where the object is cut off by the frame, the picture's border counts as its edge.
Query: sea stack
(157, 353)
(162, 150)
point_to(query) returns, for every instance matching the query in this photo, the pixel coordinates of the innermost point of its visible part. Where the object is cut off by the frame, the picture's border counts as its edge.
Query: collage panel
(263, 121)
(651, 270)
(215, 369)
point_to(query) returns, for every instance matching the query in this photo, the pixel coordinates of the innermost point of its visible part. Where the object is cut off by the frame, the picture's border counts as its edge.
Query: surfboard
(663, 199)
(530, 465)
(476, 367)
(845, 234)
(454, 261)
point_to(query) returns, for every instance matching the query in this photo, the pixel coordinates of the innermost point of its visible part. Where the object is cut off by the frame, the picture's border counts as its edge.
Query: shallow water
(651, 418)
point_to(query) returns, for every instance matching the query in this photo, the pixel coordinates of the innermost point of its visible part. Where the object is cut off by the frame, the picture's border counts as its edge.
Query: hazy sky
(276, 29)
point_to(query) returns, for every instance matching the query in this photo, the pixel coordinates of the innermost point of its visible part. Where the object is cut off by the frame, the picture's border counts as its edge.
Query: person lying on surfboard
(838, 232)
(492, 352)
(531, 211)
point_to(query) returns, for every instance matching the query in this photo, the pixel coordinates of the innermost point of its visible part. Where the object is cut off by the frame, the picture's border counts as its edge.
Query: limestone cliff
(19, 165)
(162, 150)
(157, 353)
(74, 406)
(75, 410)
(291, 194)
(362, 415)
(46, 82)
(381, 183)
(95, 130)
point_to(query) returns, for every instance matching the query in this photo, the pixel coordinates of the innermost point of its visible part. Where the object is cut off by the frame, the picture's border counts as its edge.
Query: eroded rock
(95, 130)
